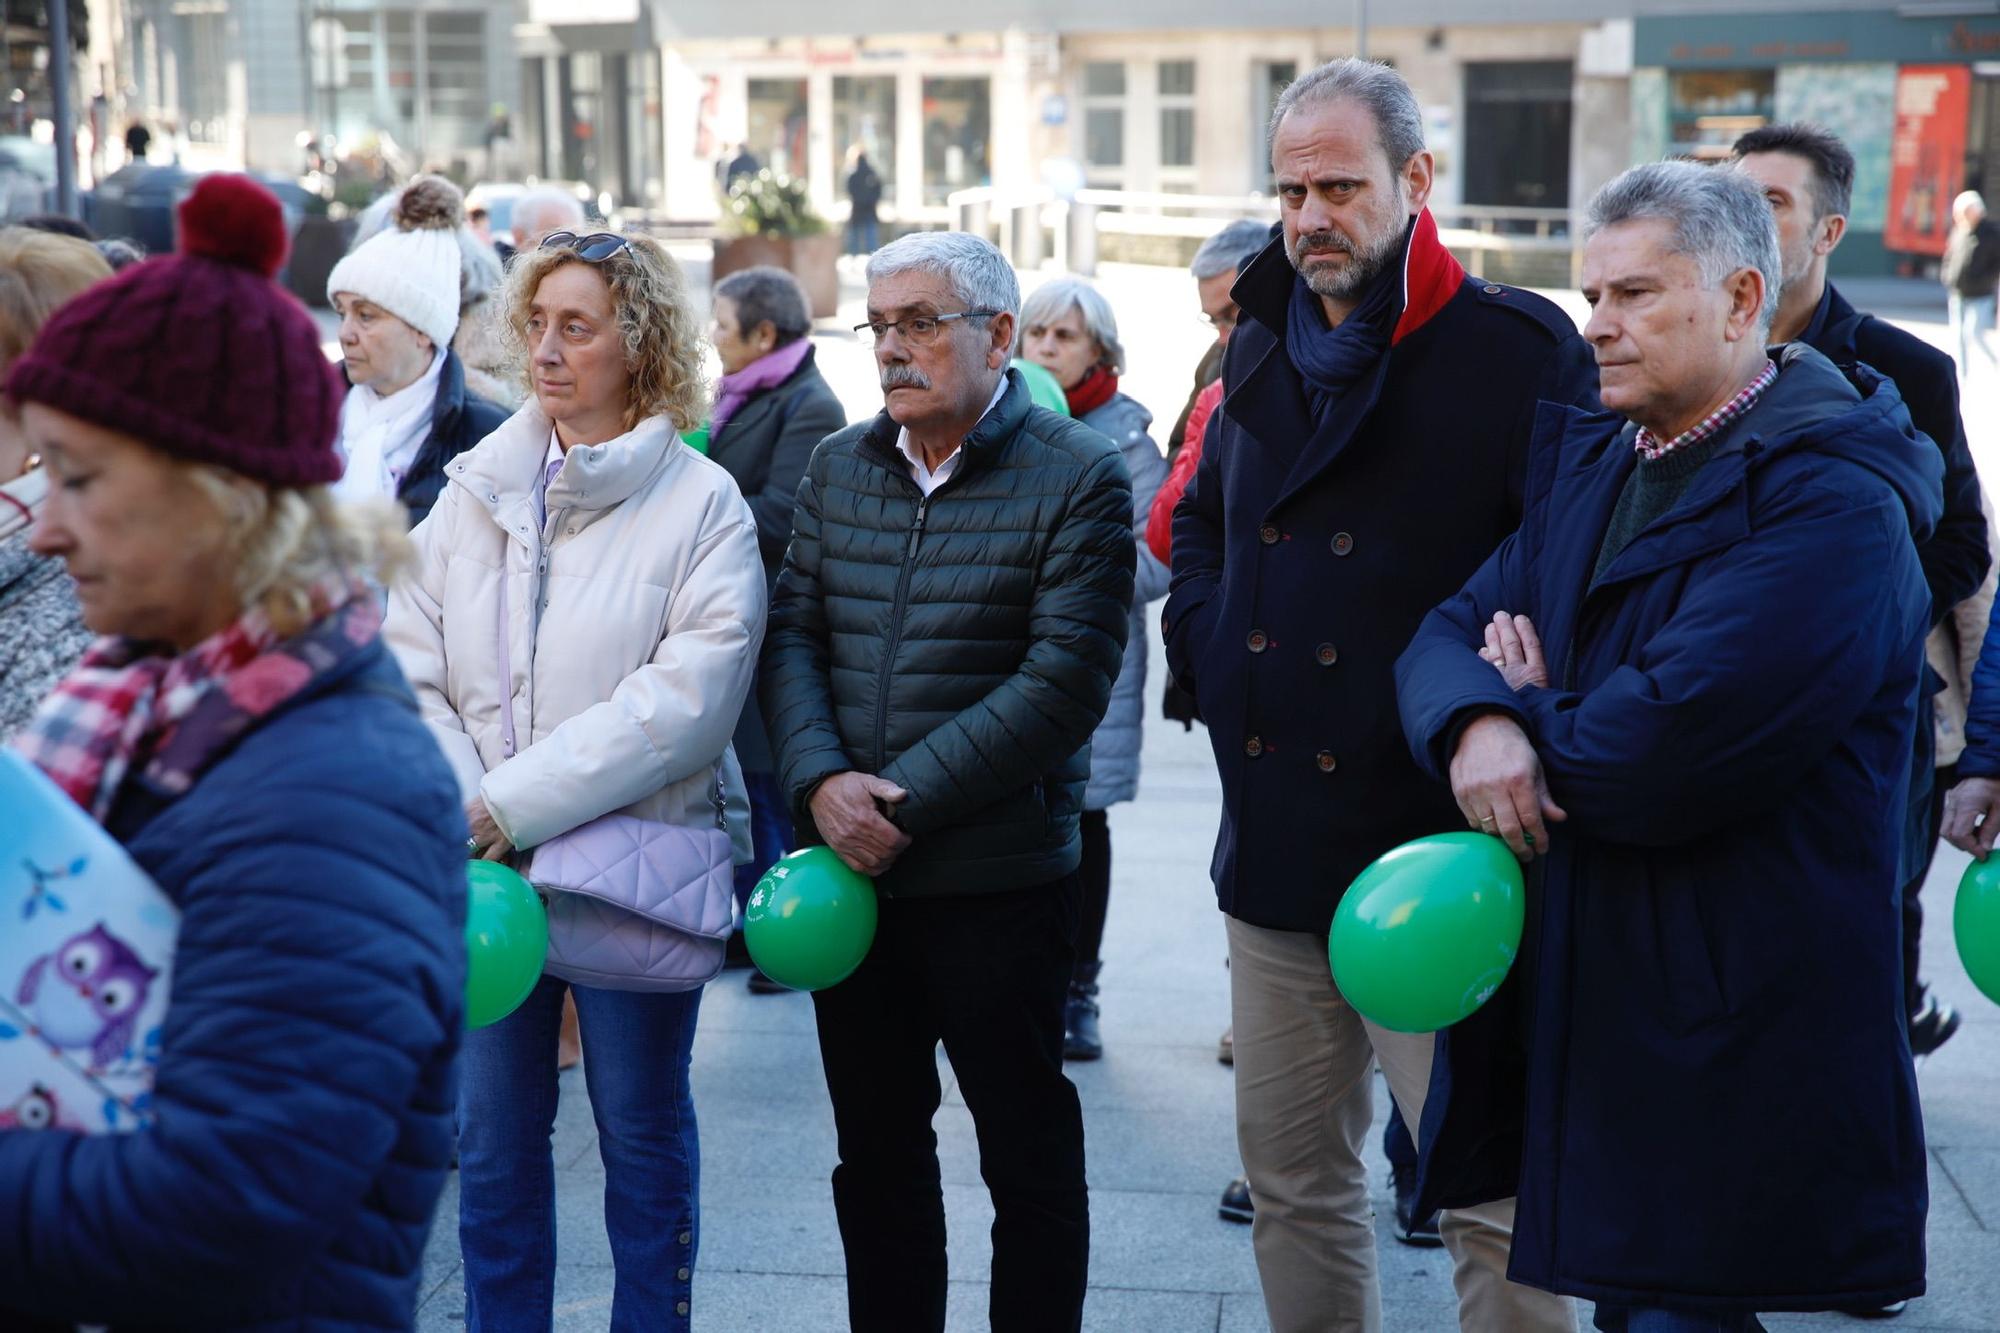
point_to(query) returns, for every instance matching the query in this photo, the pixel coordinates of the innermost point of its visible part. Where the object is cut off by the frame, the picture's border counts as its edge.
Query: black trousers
(1913, 907)
(987, 976)
(1095, 876)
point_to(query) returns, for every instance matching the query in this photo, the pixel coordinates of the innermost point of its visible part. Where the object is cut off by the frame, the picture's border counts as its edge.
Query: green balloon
(810, 920)
(1042, 387)
(1426, 934)
(506, 942)
(1975, 921)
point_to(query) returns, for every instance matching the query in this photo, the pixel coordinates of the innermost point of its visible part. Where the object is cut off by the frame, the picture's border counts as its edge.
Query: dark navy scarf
(1332, 360)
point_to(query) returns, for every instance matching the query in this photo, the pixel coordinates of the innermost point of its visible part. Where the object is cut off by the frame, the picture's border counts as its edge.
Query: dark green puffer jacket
(963, 647)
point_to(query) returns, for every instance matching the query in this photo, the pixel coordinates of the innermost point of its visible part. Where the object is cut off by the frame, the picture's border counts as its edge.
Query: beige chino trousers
(1303, 1106)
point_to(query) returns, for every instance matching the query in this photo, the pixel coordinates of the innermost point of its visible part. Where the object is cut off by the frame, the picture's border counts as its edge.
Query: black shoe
(1081, 1040)
(1878, 1311)
(760, 984)
(1421, 1232)
(1236, 1205)
(1932, 1025)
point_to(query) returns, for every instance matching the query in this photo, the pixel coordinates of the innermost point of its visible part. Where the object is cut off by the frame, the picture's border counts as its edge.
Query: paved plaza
(1158, 1108)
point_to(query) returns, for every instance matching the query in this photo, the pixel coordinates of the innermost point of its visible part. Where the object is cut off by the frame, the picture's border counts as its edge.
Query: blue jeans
(861, 236)
(1972, 318)
(636, 1049)
(1656, 1319)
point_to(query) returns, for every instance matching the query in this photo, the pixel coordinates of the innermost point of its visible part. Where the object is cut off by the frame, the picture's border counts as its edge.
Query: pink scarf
(766, 372)
(126, 707)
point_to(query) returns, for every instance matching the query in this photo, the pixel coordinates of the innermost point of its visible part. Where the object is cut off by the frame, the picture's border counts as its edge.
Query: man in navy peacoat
(1368, 455)
(1696, 712)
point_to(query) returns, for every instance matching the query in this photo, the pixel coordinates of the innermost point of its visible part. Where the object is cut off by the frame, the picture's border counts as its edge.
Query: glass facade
(958, 120)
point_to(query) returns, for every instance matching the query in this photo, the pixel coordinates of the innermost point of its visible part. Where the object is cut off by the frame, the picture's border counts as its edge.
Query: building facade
(237, 83)
(1914, 91)
(1525, 102)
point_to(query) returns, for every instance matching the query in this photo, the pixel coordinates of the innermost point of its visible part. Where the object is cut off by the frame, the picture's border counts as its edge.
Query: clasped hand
(1496, 776)
(845, 810)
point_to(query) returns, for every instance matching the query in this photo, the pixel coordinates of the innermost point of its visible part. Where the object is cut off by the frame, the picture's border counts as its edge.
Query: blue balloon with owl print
(86, 953)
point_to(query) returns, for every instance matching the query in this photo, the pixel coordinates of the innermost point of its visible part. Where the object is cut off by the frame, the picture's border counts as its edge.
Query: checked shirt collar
(1652, 449)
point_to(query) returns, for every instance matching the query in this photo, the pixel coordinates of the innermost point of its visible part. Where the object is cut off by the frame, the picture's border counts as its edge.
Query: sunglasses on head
(592, 249)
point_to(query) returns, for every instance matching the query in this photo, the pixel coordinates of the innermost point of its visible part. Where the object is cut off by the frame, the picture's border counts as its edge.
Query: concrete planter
(810, 259)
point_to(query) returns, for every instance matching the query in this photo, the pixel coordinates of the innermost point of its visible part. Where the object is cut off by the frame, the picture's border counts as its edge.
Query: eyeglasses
(916, 330)
(592, 249)
(1224, 322)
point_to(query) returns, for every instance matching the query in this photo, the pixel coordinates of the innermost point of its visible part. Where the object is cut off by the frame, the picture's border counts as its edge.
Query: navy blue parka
(1721, 1111)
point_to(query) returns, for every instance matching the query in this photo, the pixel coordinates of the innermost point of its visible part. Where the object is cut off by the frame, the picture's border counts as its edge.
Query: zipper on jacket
(896, 611)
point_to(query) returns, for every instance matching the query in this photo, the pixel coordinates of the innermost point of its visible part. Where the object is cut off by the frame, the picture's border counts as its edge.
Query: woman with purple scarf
(773, 410)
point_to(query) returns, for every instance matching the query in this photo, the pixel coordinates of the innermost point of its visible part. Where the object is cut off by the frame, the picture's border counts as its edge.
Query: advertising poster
(1927, 158)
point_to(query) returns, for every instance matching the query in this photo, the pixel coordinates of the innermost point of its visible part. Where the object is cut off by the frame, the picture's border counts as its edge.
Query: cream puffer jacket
(634, 615)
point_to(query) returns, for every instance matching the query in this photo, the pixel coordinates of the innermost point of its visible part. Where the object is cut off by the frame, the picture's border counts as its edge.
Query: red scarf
(124, 706)
(1091, 392)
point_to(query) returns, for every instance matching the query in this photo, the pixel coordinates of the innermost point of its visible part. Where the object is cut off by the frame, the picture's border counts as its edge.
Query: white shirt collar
(927, 480)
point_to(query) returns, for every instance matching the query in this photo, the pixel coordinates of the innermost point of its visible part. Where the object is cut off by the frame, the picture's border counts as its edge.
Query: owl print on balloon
(86, 948)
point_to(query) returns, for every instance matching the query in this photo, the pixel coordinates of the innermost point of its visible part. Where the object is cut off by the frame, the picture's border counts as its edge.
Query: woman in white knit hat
(408, 412)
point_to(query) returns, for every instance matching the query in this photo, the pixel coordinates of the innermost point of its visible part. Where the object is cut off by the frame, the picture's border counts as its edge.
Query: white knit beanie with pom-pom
(411, 267)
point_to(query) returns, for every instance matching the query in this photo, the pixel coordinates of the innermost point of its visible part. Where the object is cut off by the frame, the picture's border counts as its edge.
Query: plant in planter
(770, 219)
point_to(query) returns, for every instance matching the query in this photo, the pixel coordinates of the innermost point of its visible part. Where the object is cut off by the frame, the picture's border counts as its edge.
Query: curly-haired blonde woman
(242, 731)
(581, 631)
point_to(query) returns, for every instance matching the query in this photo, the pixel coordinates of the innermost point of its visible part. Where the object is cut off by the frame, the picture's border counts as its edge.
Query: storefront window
(1104, 123)
(864, 117)
(1176, 119)
(777, 120)
(1709, 109)
(957, 130)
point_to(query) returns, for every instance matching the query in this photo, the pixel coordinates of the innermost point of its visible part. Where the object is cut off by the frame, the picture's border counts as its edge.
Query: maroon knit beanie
(200, 353)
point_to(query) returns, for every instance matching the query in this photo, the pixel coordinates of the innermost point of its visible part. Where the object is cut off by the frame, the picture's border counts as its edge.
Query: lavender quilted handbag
(635, 904)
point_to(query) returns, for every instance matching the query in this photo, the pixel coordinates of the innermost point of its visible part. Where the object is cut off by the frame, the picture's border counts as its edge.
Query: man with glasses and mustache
(1371, 450)
(943, 640)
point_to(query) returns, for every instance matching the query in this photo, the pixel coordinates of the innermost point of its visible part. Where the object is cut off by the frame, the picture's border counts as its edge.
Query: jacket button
(1491, 290)
(1327, 654)
(1268, 534)
(687, 1237)
(1254, 746)
(1257, 642)
(682, 1308)
(1326, 761)
(1342, 543)
(683, 1275)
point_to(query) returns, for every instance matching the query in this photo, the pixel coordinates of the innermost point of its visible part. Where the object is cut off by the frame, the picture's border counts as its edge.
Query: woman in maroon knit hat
(241, 730)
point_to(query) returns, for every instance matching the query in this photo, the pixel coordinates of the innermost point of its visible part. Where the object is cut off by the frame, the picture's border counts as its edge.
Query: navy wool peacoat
(1721, 1111)
(1304, 558)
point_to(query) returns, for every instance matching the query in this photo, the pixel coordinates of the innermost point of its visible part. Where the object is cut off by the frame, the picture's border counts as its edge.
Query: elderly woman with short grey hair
(1068, 328)
(773, 410)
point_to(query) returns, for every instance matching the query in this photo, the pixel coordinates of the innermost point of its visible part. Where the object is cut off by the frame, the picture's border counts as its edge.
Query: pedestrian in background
(542, 210)
(773, 410)
(944, 638)
(1069, 329)
(581, 629)
(1971, 276)
(1807, 175)
(864, 196)
(1371, 451)
(1723, 572)
(41, 626)
(407, 413)
(242, 731)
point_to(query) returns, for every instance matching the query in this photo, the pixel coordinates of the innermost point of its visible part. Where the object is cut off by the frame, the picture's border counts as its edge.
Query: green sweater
(1652, 489)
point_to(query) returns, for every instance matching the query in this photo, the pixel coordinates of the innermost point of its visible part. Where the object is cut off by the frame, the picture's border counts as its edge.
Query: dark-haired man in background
(1807, 174)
